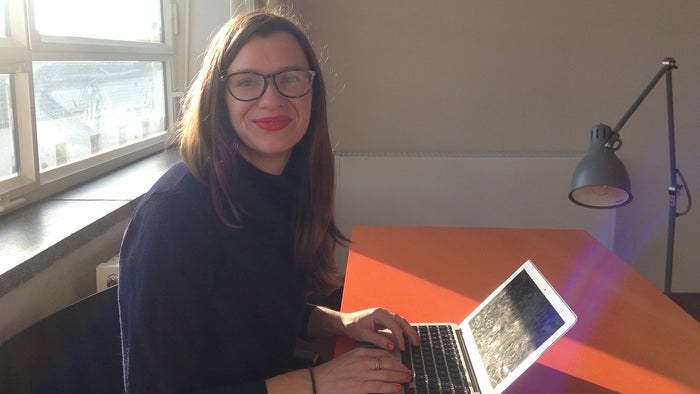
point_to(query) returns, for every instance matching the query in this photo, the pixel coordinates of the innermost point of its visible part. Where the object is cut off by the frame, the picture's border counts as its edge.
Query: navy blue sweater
(205, 308)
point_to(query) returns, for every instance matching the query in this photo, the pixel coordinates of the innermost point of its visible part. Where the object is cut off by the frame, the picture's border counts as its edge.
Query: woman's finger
(407, 330)
(398, 326)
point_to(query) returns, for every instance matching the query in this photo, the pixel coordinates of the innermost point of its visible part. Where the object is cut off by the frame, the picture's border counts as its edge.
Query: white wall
(198, 20)
(486, 77)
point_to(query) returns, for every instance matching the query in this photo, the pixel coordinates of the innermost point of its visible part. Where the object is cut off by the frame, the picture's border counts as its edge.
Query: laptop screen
(508, 329)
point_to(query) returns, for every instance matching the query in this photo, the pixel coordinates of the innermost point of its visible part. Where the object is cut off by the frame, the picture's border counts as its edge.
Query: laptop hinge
(473, 384)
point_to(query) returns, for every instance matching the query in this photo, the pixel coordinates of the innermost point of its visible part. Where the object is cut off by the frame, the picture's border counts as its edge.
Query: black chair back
(75, 350)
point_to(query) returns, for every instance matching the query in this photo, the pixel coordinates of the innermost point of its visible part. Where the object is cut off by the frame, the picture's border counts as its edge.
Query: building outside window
(84, 88)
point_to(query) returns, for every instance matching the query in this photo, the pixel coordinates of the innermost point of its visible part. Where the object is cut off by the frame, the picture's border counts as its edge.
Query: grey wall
(461, 190)
(526, 79)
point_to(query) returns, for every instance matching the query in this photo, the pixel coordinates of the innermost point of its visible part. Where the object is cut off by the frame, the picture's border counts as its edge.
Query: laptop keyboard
(435, 363)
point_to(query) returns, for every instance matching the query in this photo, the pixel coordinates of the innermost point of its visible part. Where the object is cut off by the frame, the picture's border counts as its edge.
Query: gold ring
(378, 364)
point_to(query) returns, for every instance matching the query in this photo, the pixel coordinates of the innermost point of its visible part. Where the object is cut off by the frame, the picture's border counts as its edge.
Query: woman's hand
(362, 370)
(380, 328)
(376, 326)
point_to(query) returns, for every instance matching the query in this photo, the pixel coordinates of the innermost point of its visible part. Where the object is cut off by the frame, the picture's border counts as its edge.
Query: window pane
(3, 19)
(127, 20)
(8, 141)
(85, 108)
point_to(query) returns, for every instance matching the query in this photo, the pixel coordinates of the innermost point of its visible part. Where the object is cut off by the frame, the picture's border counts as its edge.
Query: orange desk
(629, 338)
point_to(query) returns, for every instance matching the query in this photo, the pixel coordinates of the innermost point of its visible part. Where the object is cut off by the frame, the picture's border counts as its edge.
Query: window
(84, 88)
(85, 108)
(3, 19)
(8, 162)
(100, 19)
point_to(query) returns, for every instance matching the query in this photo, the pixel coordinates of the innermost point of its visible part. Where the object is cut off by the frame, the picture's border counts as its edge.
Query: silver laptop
(495, 344)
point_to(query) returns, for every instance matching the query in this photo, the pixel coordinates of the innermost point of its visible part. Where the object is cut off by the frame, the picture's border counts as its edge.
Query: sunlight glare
(3, 19)
(127, 20)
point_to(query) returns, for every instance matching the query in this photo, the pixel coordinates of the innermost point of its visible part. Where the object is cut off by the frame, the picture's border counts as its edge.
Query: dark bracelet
(313, 380)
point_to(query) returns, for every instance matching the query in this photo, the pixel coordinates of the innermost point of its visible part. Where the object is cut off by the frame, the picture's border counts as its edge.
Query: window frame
(24, 46)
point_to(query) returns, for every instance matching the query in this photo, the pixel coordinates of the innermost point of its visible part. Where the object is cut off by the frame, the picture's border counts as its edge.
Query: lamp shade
(600, 179)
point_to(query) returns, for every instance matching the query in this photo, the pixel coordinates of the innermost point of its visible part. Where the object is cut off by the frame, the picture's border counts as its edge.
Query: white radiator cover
(470, 190)
(107, 274)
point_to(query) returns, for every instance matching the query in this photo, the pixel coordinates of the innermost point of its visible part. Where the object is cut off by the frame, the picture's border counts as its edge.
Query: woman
(220, 255)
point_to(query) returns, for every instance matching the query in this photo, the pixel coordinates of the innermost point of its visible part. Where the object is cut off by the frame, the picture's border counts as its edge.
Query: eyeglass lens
(247, 86)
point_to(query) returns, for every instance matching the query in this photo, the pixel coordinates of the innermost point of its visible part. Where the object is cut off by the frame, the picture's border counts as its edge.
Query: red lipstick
(273, 123)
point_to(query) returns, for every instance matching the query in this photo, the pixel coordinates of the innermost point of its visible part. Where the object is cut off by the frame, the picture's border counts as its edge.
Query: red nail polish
(399, 387)
(390, 346)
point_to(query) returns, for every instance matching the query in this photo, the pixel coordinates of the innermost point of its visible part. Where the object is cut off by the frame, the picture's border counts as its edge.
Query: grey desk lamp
(601, 181)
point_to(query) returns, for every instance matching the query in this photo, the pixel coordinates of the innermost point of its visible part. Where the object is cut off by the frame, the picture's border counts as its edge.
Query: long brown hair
(208, 146)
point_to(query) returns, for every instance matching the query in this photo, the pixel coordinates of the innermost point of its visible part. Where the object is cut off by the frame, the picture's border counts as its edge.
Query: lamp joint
(670, 63)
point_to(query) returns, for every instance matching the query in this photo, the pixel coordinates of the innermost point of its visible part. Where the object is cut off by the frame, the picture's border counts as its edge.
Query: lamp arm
(673, 189)
(614, 141)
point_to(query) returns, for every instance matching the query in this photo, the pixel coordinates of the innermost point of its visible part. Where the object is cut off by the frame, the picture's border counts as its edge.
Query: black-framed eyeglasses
(249, 85)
